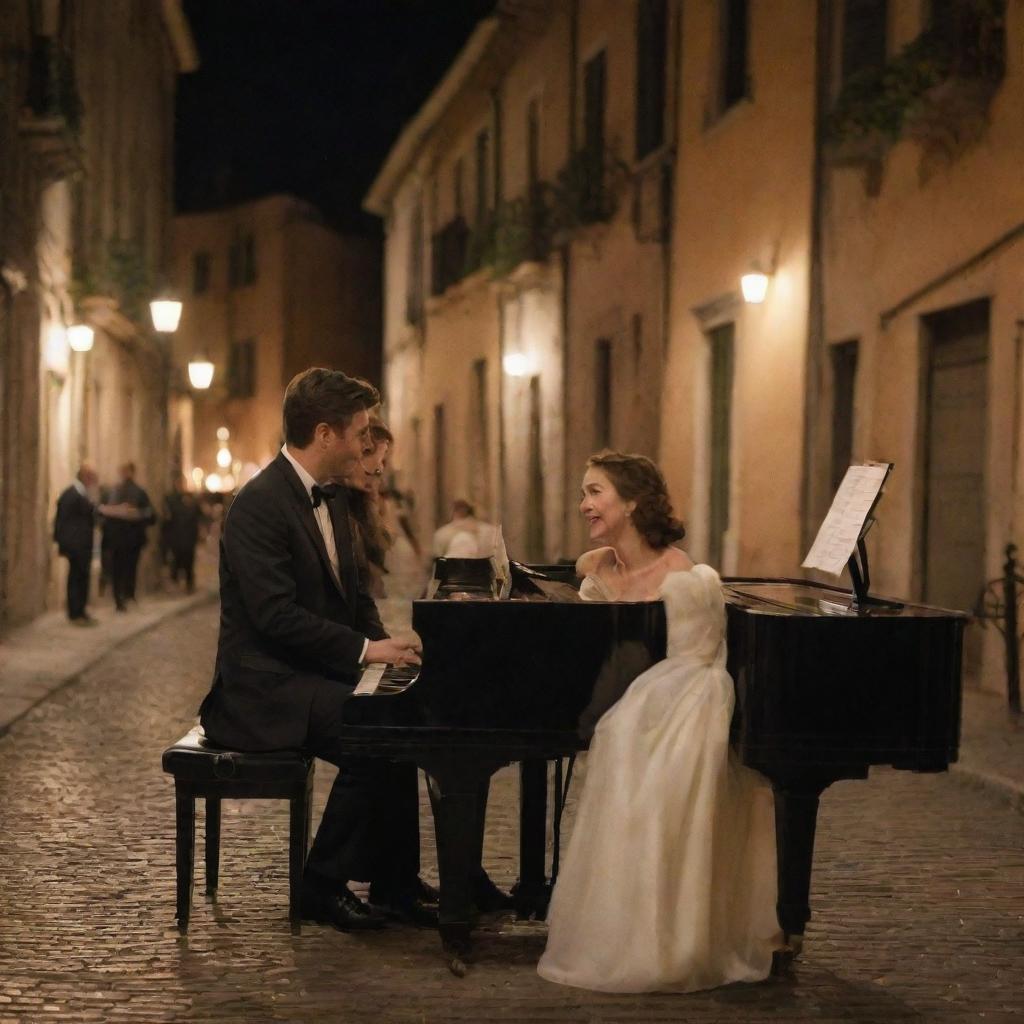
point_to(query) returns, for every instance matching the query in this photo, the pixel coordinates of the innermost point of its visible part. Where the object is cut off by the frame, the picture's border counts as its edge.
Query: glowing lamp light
(227, 482)
(166, 314)
(754, 286)
(224, 458)
(223, 433)
(80, 337)
(200, 373)
(518, 364)
(197, 476)
(213, 482)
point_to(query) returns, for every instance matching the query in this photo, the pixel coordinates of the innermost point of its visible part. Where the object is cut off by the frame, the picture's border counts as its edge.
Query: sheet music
(371, 677)
(499, 563)
(851, 506)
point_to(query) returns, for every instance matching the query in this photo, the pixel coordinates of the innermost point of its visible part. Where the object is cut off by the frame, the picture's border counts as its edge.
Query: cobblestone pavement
(918, 893)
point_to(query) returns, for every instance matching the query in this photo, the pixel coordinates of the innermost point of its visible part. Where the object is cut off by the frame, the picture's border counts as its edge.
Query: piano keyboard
(379, 678)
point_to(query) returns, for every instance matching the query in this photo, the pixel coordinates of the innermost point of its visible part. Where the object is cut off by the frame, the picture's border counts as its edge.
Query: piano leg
(796, 819)
(531, 891)
(455, 786)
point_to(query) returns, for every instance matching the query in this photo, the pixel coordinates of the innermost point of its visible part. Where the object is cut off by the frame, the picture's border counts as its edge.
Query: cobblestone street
(918, 893)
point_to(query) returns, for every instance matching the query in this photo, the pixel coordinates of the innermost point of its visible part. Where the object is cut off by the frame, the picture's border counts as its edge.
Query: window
(865, 36)
(479, 443)
(535, 533)
(242, 262)
(483, 199)
(721, 340)
(594, 87)
(651, 62)
(414, 284)
(242, 369)
(844, 377)
(603, 387)
(441, 509)
(201, 263)
(458, 198)
(533, 143)
(734, 27)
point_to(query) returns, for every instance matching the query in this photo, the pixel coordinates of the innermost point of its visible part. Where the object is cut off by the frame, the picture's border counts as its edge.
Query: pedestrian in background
(183, 519)
(127, 516)
(464, 536)
(73, 528)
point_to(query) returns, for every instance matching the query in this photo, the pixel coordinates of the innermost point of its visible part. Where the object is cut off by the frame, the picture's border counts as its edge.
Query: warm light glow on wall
(80, 337)
(519, 364)
(166, 314)
(57, 348)
(200, 373)
(754, 286)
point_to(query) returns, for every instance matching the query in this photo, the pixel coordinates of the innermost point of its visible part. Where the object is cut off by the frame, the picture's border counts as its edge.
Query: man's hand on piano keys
(394, 651)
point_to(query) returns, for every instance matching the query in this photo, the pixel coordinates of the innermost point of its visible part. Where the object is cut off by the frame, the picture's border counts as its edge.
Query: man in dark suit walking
(127, 514)
(296, 626)
(73, 531)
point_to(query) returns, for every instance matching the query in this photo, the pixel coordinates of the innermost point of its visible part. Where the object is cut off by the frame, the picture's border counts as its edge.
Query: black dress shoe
(409, 911)
(488, 898)
(425, 892)
(340, 908)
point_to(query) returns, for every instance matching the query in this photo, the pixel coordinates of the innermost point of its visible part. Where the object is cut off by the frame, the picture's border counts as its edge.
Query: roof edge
(182, 41)
(416, 132)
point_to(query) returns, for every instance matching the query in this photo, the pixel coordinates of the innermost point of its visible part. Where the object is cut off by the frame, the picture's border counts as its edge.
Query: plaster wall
(743, 195)
(949, 211)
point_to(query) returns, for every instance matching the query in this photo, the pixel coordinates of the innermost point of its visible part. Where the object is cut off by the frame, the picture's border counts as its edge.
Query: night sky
(307, 96)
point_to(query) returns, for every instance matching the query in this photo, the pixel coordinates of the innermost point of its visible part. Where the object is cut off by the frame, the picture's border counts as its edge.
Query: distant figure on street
(127, 515)
(465, 536)
(183, 519)
(73, 529)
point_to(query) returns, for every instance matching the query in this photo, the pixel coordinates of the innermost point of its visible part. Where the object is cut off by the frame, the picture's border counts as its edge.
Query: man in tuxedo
(73, 529)
(296, 626)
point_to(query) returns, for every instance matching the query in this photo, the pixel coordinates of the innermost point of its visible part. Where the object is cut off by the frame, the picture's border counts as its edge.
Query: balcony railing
(936, 89)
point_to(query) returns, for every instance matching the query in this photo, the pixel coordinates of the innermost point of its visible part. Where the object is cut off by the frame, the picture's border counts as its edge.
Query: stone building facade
(862, 155)
(268, 290)
(526, 264)
(86, 104)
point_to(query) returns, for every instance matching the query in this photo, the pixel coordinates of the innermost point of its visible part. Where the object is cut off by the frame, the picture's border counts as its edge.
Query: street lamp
(166, 314)
(754, 286)
(200, 372)
(80, 337)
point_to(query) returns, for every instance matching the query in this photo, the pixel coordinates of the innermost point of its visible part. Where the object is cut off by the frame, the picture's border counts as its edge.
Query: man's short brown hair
(323, 396)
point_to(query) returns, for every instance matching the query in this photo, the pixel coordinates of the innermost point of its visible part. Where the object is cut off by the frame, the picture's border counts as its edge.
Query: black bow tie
(326, 493)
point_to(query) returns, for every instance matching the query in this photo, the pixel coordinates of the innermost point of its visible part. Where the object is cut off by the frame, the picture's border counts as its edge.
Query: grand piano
(826, 688)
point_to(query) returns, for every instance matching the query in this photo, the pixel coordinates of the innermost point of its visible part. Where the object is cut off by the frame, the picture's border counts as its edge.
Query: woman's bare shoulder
(678, 560)
(591, 562)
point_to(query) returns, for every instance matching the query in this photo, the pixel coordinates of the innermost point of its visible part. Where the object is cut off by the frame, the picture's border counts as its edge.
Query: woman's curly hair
(638, 479)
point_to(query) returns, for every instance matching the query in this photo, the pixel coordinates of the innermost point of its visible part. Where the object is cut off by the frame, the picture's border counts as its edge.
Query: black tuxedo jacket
(74, 522)
(287, 626)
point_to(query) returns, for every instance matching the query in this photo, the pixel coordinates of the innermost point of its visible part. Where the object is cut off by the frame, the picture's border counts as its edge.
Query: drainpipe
(565, 254)
(814, 362)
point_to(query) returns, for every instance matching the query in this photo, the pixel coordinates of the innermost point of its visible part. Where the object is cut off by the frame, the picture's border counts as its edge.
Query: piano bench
(201, 769)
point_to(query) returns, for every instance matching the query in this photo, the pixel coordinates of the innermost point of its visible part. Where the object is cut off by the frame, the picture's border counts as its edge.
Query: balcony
(936, 90)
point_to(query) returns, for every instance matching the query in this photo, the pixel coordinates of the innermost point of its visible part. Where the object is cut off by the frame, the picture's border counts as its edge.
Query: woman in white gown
(669, 880)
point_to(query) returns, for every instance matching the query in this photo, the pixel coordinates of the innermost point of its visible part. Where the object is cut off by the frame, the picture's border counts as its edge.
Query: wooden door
(954, 513)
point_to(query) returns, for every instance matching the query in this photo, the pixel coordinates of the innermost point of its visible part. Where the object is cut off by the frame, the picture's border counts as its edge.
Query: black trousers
(124, 565)
(370, 827)
(183, 560)
(79, 563)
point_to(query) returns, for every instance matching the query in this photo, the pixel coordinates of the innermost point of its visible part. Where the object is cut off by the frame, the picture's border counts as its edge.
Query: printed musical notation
(851, 507)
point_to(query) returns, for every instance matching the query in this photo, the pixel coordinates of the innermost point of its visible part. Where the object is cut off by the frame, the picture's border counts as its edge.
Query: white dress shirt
(322, 514)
